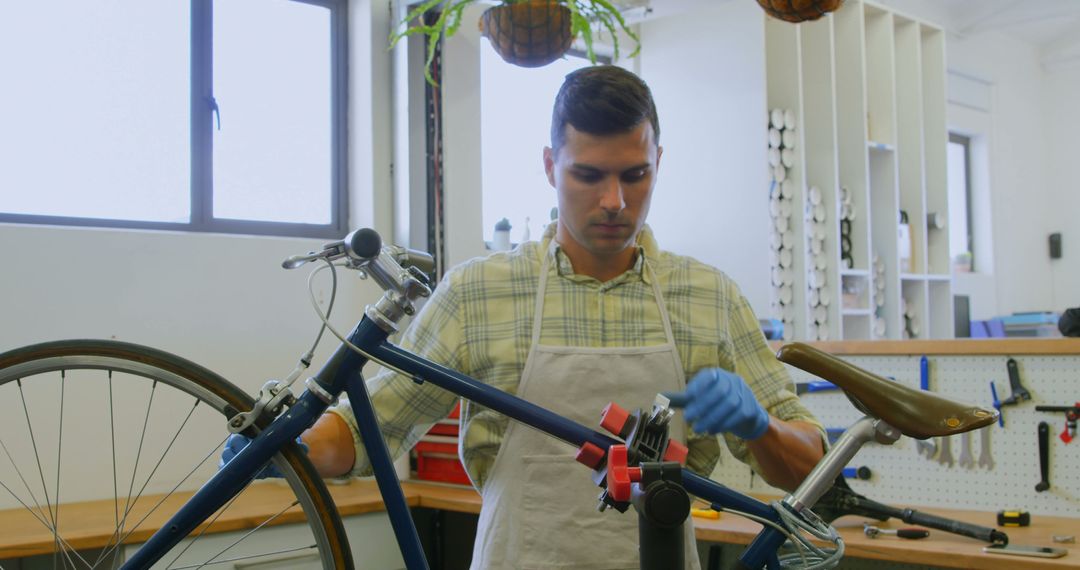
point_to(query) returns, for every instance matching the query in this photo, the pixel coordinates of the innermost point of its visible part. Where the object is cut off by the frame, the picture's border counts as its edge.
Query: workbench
(89, 525)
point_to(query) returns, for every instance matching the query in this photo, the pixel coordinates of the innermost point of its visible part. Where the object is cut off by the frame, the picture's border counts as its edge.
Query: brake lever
(330, 252)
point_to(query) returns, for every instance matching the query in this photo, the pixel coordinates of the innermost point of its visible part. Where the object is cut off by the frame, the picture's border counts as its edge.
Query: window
(961, 241)
(125, 119)
(515, 128)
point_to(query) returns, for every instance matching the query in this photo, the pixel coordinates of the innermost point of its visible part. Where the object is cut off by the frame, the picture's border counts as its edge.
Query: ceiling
(1052, 26)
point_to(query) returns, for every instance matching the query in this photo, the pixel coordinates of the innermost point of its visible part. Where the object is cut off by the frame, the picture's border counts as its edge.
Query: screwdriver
(911, 533)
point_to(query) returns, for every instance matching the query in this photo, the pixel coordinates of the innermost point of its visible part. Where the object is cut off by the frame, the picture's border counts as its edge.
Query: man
(593, 313)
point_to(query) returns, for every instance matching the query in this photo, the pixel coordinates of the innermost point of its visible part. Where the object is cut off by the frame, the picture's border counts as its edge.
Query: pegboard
(903, 477)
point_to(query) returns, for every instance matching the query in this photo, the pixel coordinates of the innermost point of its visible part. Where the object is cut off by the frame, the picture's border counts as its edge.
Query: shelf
(868, 87)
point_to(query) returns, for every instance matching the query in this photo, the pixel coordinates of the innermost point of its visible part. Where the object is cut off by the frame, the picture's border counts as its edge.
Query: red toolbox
(436, 452)
(437, 461)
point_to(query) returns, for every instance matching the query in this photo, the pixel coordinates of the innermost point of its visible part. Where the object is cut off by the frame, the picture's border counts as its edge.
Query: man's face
(604, 186)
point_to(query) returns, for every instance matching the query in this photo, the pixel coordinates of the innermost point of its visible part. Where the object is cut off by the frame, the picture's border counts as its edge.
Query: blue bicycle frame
(342, 373)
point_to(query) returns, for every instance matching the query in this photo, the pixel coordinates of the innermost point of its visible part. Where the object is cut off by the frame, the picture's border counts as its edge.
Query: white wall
(1028, 199)
(221, 300)
(1021, 202)
(706, 69)
(1062, 120)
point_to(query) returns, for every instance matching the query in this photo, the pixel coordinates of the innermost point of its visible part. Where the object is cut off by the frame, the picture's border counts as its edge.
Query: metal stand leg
(662, 505)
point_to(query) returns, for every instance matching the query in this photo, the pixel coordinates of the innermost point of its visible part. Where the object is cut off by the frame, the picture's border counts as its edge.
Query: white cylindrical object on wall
(775, 139)
(776, 118)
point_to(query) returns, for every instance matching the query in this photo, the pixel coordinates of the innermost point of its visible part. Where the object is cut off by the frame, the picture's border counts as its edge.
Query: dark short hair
(602, 100)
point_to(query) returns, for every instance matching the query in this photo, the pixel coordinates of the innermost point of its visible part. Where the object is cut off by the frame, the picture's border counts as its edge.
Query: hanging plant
(528, 33)
(799, 10)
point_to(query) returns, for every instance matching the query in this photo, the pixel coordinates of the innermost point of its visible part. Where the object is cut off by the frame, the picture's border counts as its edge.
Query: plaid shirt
(479, 322)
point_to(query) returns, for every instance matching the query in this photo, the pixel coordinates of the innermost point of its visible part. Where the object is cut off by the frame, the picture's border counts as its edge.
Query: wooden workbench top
(90, 525)
(957, 347)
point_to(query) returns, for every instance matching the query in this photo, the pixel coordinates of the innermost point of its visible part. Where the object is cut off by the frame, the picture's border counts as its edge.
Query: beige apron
(539, 504)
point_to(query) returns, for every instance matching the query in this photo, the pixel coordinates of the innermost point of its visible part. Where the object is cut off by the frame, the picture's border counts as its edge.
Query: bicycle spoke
(116, 546)
(249, 533)
(26, 485)
(40, 517)
(238, 558)
(116, 493)
(59, 449)
(216, 516)
(179, 430)
(128, 505)
(37, 456)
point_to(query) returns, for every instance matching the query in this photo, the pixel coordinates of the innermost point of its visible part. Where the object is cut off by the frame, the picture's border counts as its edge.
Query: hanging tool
(872, 531)
(1044, 457)
(997, 404)
(1072, 413)
(966, 460)
(1019, 392)
(945, 453)
(925, 447)
(985, 459)
(840, 500)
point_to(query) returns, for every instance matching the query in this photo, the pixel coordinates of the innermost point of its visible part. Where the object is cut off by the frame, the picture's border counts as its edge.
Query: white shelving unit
(867, 86)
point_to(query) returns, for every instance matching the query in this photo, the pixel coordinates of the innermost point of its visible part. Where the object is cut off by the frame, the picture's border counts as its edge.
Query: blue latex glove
(237, 442)
(721, 402)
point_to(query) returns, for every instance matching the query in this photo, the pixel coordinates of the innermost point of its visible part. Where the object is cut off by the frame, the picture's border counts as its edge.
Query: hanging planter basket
(799, 10)
(532, 33)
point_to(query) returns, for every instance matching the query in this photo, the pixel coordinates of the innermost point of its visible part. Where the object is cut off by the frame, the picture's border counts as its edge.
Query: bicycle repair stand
(654, 487)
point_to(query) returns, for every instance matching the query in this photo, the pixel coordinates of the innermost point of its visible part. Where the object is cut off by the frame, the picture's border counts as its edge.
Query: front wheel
(102, 440)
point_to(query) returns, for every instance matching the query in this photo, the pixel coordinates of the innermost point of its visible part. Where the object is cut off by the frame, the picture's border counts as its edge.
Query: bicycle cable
(807, 556)
(326, 322)
(819, 558)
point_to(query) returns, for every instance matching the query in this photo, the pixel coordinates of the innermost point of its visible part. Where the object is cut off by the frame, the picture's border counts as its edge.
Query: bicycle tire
(205, 386)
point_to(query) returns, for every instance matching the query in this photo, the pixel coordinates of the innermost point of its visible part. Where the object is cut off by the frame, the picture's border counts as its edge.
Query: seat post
(821, 478)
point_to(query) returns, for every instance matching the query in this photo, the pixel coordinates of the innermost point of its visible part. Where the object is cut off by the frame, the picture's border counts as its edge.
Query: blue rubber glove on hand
(721, 402)
(237, 442)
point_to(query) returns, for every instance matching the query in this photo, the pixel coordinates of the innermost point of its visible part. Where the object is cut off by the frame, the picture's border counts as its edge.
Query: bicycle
(277, 417)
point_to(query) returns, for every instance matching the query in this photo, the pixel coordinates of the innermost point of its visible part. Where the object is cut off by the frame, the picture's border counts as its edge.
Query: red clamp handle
(614, 419)
(619, 475)
(676, 452)
(590, 455)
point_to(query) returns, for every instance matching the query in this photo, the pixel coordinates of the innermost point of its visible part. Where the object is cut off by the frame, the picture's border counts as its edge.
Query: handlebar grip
(956, 527)
(364, 243)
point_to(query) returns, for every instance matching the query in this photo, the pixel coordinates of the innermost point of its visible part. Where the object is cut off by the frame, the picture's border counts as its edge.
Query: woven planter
(799, 10)
(533, 33)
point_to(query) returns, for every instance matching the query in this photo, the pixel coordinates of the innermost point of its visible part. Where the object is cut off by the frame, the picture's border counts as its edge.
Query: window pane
(272, 156)
(94, 111)
(516, 126)
(958, 204)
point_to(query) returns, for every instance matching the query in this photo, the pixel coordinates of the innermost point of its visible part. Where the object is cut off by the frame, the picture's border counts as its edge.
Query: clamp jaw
(646, 440)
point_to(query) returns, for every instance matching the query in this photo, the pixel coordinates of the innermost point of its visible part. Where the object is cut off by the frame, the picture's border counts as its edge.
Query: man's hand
(237, 442)
(720, 401)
